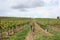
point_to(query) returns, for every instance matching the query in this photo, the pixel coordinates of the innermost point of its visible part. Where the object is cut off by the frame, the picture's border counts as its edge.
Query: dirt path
(37, 28)
(41, 30)
(29, 36)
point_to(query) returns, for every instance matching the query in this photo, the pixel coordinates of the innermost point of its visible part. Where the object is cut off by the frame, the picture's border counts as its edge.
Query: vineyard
(13, 28)
(10, 26)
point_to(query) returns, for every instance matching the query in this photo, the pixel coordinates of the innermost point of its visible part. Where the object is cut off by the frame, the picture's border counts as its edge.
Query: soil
(55, 28)
(41, 30)
(31, 34)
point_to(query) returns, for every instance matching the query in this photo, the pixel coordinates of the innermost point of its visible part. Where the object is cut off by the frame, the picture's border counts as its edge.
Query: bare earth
(55, 28)
(31, 34)
(41, 30)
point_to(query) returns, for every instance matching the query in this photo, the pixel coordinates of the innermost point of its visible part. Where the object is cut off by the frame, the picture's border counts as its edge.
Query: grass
(46, 21)
(43, 23)
(42, 37)
(21, 34)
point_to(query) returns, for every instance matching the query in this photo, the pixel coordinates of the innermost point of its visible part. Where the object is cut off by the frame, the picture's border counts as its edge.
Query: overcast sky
(30, 8)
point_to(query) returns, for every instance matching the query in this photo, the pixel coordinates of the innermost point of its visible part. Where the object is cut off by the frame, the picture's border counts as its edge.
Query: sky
(30, 8)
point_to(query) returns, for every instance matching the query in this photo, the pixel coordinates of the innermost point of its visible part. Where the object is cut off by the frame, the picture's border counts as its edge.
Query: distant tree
(58, 17)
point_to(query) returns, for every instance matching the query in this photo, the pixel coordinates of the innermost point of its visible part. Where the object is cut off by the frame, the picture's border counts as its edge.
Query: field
(13, 28)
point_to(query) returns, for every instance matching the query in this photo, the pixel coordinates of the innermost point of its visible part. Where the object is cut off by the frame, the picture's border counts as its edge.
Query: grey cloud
(23, 10)
(29, 4)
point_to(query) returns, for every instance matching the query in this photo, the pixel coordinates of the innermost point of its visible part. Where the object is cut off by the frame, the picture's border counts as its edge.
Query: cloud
(22, 5)
(35, 12)
(54, 11)
(29, 4)
(30, 8)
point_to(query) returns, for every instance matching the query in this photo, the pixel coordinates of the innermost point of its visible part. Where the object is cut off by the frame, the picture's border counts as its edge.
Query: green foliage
(41, 37)
(20, 35)
(11, 23)
(48, 21)
(44, 22)
(8, 22)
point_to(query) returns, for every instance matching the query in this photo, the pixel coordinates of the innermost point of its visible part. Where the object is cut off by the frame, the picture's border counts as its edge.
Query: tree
(58, 17)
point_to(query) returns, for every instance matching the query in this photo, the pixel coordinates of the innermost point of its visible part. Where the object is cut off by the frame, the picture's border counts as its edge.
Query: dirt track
(41, 30)
(37, 28)
(29, 36)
